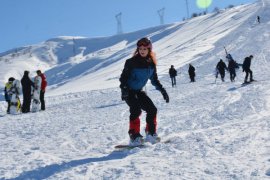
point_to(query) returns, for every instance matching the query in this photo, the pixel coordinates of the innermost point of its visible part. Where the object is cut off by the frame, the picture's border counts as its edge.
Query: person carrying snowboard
(27, 85)
(173, 73)
(137, 70)
(191, 72)
(221, 66)
(246, 68)
(232, 65)
(8, 86)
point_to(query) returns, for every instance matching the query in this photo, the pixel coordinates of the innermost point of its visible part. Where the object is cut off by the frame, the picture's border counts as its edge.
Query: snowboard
(36, 94)
(35, 101)
(128, 147)
(15, 105)
(249, 82)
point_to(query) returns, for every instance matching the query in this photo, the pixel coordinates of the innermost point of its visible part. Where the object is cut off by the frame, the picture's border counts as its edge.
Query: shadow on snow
(50, 170)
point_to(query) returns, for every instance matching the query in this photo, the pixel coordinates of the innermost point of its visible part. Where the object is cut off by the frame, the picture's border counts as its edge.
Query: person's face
(143, 51)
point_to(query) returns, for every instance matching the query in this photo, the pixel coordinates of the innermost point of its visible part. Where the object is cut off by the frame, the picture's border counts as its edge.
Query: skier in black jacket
(136, 72)
(173, 73)
(258, 19)
(246, 68)
(221, 66)
(191, 72)
(232, 65)
(27, 85)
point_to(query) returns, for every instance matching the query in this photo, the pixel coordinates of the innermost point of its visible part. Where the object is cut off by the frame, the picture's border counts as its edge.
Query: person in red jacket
(43, 89)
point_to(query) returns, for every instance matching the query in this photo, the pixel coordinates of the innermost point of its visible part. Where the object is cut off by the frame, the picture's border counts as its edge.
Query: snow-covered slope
(215, 130)
(94, 63)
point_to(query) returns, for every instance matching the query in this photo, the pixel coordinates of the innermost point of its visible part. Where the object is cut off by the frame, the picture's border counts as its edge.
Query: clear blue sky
(26, 22)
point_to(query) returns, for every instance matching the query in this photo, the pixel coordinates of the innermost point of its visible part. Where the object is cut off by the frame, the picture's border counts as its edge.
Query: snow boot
(153, 139)
(136, 140)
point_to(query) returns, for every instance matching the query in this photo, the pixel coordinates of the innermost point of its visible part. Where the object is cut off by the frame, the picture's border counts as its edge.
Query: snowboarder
(136, 72)
(8, 86)
(43, 89)
(27, 85)
(191, 72)
(221, 66)
(246, 68)
(173, 73)
(36, 93)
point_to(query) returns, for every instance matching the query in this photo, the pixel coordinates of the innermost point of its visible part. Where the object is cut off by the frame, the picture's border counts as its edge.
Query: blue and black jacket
(137, 71)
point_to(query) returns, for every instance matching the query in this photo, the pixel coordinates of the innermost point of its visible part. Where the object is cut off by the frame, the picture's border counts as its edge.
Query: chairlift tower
(119, 23)
(187, 9)
(161, 13)
(206, 9)
(74, 48)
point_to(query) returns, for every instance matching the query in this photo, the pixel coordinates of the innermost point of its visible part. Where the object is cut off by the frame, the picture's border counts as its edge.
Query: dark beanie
(26, 72)
(11, 79)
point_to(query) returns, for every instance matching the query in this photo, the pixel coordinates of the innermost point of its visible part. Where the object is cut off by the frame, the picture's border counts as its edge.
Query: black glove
(124, 93)
(165, 95)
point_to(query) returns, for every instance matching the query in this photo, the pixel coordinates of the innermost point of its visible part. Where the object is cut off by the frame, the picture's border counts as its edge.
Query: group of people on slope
(221, 67)
(31, 90)
(232, 66)
(173, 74)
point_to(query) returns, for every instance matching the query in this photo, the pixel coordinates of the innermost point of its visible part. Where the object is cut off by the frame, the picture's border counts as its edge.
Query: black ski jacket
(191, 70)
(172, 72)
(26, 85)
(232, 65)
(246, 63)
(137, 71)
(221, 66)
